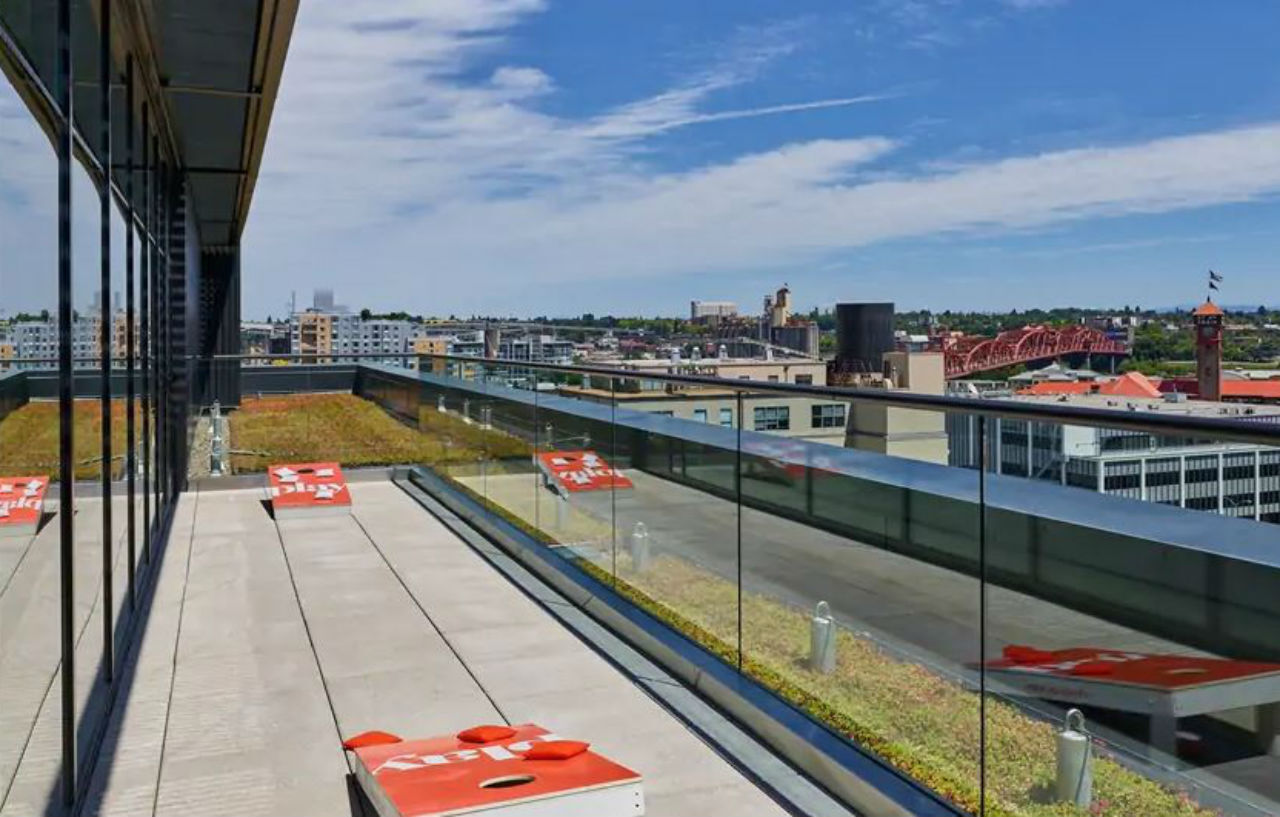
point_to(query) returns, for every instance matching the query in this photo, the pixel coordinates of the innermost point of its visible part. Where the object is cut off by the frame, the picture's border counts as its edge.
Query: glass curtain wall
(83, 270)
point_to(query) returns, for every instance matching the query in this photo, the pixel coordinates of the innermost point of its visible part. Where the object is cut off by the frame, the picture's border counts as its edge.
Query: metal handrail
(1226, 429)
(1217, 428)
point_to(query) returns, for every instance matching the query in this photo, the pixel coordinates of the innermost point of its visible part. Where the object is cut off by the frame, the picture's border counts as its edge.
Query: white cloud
(389, 166)
(664, 114)
(28, 209)
(522, 82)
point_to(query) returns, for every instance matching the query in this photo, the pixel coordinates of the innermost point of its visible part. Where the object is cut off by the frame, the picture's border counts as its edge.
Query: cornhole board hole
(21, 505)
(576, 471)
(306, 489)
(447, 775)
(1162, 687)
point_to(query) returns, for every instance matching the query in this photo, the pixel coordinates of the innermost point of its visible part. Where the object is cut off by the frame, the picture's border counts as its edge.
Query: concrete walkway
(266, 643)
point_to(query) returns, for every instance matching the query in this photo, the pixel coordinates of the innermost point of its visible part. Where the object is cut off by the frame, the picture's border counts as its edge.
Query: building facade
(34, 344)
(1230, 479)
(801, 372)
(531, 348)
(802, 417)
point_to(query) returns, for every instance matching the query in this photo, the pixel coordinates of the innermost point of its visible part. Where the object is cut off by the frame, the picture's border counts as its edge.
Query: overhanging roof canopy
(206, 70)
(220, 63)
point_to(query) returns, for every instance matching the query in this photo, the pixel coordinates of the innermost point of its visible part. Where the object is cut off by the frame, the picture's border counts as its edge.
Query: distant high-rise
(1208, 320)
(323, 300)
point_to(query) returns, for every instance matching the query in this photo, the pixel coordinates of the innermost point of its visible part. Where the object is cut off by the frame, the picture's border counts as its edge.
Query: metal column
(131, 459)
(105, 317)
(66, 441)
(144, 280)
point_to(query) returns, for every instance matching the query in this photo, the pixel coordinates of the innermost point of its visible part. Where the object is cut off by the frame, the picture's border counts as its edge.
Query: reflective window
(828, 416)
(772, 418)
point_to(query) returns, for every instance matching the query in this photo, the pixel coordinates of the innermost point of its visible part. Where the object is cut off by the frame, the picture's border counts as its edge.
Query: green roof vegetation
(29, 439)
(354, 432)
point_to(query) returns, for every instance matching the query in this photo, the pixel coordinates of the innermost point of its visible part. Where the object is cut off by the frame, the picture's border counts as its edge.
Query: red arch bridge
(970, 354)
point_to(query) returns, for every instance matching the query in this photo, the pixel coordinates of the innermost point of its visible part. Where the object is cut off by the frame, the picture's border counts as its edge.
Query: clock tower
(1208, 321)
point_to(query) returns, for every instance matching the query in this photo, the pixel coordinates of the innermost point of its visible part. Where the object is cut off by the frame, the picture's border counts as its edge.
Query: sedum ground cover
(923, 723)
(29, 439)
(352, 431)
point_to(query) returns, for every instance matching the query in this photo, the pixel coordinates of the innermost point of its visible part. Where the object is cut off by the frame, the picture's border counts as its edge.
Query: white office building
(1227, 478)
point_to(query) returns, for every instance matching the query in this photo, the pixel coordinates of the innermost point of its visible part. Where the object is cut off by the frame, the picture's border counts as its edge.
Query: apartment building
(311, 333)
(532, 348)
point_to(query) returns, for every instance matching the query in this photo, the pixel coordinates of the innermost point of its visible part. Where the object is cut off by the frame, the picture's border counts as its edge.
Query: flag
(1212, 285)
(1213, 276)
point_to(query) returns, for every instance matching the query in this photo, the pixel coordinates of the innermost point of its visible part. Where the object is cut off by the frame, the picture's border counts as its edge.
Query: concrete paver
(538, 671)
(266, 643)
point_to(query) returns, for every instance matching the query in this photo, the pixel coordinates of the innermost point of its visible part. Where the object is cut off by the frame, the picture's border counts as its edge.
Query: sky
(555, 157)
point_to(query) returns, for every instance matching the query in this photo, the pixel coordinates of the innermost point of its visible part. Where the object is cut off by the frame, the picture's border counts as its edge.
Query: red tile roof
(1130, 384)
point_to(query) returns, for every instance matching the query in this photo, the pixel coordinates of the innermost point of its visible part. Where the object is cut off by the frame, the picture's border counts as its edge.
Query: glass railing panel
(1146, 597)
(593, 468)
(578, 467)
(484, 416)
(449, 398)
(574, 510)
(676, 511)
(506, 427)
(860, 581)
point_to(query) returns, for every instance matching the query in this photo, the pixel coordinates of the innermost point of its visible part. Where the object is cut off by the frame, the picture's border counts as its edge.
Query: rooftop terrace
(268, 641)
(468, 586)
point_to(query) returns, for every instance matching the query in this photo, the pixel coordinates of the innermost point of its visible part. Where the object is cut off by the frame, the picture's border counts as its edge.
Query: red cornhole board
(308, 489)
(1163, 687)
(447, 776)
(576, 471)
(21, 504)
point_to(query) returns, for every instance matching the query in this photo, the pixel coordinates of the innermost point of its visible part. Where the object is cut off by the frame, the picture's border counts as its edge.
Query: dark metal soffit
(216, 65)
